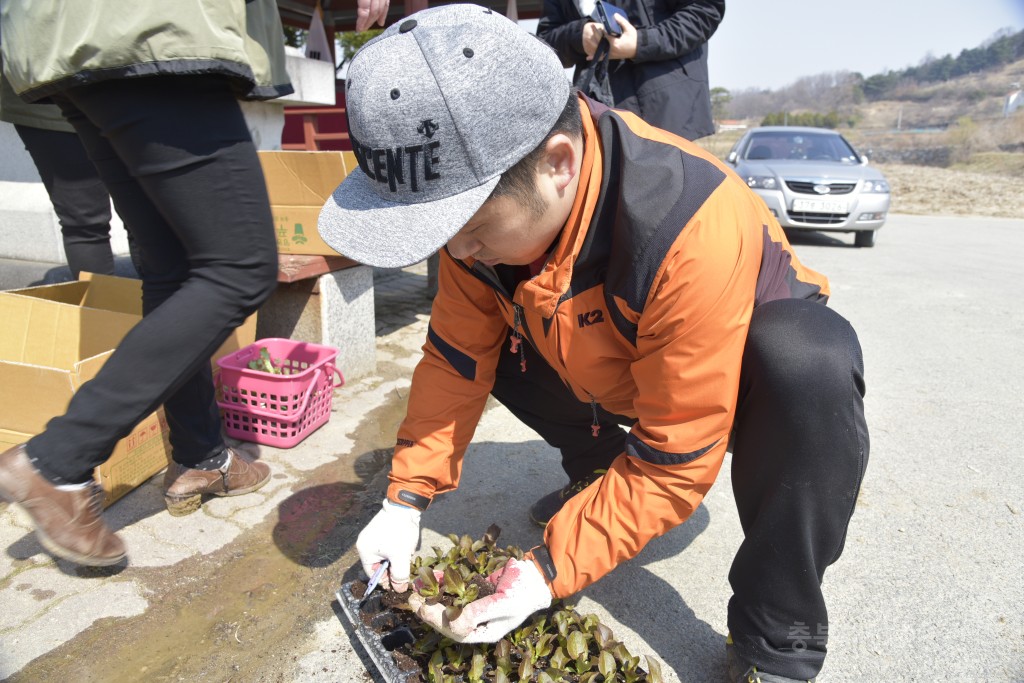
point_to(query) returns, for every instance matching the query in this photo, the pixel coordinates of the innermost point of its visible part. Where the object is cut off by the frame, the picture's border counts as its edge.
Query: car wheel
(864, 238)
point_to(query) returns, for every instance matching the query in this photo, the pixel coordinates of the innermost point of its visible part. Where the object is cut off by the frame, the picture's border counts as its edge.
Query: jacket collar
(543, 292)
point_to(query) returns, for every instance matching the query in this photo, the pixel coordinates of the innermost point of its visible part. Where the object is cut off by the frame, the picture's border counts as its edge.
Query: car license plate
(819, 205)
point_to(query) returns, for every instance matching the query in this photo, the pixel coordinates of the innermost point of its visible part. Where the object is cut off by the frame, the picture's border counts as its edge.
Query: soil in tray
(390, 602)
(396, 608)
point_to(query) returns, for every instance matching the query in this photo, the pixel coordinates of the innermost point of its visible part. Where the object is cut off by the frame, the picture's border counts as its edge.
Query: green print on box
(289, 233)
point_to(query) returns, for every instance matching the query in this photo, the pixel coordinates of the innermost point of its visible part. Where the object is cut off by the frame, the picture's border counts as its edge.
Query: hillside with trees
(977, 81)
(943, 112)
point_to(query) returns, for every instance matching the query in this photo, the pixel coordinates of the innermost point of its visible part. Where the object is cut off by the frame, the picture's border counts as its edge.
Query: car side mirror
(863, 159)
(733, 156)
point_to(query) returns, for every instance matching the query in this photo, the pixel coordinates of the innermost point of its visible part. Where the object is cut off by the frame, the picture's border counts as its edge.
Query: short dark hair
(520, 181)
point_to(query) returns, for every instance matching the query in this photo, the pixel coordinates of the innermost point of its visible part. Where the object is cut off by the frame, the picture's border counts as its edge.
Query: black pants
(79, 197)
(177, 158)
(800, 448)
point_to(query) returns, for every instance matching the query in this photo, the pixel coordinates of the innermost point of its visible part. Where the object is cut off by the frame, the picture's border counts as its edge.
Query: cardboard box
(48, 349)
(124, 296)
(298, 184)
(136, 458)
(57, 337)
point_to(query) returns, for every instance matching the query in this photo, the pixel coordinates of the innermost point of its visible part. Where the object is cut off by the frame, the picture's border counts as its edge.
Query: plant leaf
(576, 645)
(476, 669)
(606, 664)
(465, 543)
(428, 582)
(603, 635)
(491, 535)
(453, 581)
(558, 658)
(653, 670)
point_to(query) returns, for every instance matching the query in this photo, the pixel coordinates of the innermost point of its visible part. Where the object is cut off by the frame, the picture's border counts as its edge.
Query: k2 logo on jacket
(413, 164)
(590, 318)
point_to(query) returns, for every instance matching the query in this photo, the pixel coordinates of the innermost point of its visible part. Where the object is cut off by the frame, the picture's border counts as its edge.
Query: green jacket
(51, 45)
(13, 109)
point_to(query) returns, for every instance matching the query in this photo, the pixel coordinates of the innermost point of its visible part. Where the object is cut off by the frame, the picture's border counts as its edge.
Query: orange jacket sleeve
(449, 387)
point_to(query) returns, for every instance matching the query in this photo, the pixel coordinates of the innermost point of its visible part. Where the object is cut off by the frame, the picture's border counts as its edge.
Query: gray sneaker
(547, 507)
(742, 671)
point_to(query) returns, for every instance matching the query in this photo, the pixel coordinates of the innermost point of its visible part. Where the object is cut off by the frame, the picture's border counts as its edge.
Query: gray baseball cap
(439, 106)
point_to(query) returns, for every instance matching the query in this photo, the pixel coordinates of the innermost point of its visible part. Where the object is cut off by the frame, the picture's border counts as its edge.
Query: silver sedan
(813, 179)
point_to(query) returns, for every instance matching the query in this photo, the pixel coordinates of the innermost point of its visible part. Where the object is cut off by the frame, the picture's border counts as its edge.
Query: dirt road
(926, 191)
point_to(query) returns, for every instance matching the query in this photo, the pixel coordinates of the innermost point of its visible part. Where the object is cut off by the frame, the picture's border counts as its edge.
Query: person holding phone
(656, 67)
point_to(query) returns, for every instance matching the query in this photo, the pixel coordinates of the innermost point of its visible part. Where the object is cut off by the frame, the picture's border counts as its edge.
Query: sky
(772, 43)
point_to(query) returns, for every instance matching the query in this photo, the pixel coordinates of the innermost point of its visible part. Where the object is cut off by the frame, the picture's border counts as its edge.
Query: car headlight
(876, 186)
(762, 182)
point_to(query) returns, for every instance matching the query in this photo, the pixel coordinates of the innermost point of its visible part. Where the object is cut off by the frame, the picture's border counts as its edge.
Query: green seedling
(428, 585)
(476, 668)
(263, 363)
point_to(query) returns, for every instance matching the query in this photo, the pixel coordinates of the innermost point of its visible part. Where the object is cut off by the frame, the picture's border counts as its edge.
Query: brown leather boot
(185, 486)
(68, 523)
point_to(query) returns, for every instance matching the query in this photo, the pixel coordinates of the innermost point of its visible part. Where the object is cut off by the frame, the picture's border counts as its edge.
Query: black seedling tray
(385, 633)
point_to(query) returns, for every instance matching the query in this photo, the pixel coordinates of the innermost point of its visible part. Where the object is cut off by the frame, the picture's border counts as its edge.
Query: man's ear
(561, 160)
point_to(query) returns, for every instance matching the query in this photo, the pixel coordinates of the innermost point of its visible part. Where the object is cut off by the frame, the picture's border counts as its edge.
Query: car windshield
(800, 146)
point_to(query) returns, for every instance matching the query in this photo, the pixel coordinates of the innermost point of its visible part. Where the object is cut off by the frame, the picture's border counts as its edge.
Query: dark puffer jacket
(666, 84)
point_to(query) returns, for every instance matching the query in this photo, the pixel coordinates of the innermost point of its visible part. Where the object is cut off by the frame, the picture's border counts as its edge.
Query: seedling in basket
(264, 363)
(277, 391)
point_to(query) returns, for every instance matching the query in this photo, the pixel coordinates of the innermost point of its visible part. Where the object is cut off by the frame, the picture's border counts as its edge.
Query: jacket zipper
(516, 339)
(595, 429)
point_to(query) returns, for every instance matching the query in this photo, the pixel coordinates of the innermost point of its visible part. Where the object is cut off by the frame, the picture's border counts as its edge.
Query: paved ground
(928, 588)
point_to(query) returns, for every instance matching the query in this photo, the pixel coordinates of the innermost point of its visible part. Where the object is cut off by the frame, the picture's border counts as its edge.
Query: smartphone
(605, 12)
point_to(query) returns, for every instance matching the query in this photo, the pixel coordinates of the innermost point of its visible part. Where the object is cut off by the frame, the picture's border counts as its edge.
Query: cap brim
(357, 223)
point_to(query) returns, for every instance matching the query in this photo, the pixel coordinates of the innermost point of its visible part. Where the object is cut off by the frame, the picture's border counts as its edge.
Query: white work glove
(520, 591)
(392, 535)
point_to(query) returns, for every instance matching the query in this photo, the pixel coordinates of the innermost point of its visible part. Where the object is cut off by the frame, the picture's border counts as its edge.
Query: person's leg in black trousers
(79, 197)
(176, 156)
(799, 454)
(540, 399)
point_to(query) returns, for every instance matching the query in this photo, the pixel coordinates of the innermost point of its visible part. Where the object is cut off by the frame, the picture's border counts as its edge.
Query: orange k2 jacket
(642, 307)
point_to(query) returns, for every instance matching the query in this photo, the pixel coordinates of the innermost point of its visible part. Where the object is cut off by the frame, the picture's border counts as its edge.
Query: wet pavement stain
(244, 612)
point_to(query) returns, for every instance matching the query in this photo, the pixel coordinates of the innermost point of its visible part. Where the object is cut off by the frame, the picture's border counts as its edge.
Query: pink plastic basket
(277, 410)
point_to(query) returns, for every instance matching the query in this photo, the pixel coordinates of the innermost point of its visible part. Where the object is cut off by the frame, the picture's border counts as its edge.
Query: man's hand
(393, 535)
(370, 12)
(623, 47)
(520, 591)
(593, 32)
